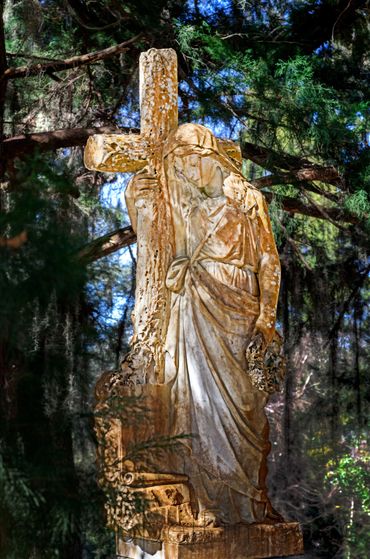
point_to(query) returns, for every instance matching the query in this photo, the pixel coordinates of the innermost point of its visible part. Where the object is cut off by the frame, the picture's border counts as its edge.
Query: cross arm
(116, 153)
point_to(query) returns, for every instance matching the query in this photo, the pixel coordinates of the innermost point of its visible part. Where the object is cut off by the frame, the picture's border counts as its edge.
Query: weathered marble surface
(208, 278)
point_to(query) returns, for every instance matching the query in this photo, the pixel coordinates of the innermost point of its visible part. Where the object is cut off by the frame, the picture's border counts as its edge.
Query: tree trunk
(47, 443)
(333, 365)
(288, 393)
(356, 335)
(3, 84)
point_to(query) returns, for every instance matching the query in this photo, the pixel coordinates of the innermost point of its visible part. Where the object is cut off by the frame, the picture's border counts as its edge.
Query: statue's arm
(268, 274)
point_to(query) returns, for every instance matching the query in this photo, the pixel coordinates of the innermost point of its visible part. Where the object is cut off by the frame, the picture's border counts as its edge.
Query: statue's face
(191, 168)
(203, 172)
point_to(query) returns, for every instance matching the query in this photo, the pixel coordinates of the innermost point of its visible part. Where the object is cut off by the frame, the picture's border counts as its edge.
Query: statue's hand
(262, 328)
(143, 184)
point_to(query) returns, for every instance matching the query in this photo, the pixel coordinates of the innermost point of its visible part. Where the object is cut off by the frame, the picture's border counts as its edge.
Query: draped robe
(216, 283)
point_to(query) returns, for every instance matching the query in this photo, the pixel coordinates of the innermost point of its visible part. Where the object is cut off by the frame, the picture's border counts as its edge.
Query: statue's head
(198, 157)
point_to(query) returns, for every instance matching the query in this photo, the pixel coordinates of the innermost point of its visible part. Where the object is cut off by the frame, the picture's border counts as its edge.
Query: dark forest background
(290, 81)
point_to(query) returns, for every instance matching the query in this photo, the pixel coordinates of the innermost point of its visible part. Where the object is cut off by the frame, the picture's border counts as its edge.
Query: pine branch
(299, 168)
(70, 137)
(67, 64)
(94, 20)
(322, 210)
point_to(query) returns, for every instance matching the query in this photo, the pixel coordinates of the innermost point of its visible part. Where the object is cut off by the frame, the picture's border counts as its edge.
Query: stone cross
(133, 153)
(158, 116)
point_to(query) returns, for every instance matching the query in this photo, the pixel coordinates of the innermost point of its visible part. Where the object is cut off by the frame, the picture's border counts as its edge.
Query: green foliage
(359, 203)
(349, 474)
(285, 105)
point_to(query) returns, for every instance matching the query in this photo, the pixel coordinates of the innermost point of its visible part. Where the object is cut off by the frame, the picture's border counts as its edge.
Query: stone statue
(208, 282)
(224, 281)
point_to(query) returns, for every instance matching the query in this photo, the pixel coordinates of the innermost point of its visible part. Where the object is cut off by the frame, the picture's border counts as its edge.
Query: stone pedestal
(256, 541)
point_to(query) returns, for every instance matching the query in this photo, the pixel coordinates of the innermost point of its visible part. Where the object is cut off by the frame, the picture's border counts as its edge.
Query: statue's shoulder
(255, 199)
(258, 196)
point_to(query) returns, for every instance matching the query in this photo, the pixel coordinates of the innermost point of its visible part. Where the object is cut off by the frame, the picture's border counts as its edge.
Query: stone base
(255, 541)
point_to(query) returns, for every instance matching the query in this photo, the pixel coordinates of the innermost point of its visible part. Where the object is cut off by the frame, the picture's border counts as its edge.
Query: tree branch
(18, 146)
(293, 178)
(322, 210)
(295, 205)
(59, 65)
(107, 244)
(125, 236)
(48, 141)
(300, 168)
(287, 178)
